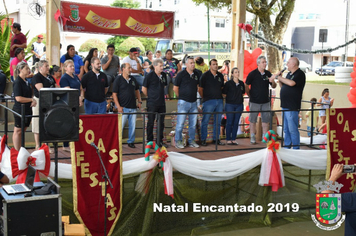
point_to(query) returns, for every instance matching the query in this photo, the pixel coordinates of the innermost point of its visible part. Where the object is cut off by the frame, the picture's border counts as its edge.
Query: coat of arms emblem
(74, 13)
(328, 206)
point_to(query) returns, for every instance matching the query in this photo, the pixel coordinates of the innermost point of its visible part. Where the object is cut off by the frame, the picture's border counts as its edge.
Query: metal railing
(160, 115)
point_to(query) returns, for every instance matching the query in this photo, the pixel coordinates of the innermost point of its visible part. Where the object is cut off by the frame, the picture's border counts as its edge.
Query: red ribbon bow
(273, 146)
(162, 156)
(31, 161)
(246, 27)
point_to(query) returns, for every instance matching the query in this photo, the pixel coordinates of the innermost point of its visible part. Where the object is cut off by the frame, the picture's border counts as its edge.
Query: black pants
(150, 123)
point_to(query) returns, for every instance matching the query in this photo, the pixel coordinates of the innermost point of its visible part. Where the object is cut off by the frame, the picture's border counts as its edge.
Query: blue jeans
(213, 105)
(94, 107)
(290, 128)
(139, 79)
(132, 122)
(232, 120)
(185, 107)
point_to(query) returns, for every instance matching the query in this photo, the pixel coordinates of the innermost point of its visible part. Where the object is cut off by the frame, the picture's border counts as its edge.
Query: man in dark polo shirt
(259, 80)
(210, 89)
(153, 88)
(125, 92)
(291, 98)
(186, 87)
(95, 86)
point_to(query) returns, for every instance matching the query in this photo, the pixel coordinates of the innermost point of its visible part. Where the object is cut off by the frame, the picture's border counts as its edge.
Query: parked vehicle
(329, 69)
(304, 66)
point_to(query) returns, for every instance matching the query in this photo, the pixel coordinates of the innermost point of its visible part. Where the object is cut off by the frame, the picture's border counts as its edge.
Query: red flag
(88, 185)
(341, 143)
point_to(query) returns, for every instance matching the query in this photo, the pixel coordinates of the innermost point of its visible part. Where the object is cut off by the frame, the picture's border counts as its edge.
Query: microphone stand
(106, 180)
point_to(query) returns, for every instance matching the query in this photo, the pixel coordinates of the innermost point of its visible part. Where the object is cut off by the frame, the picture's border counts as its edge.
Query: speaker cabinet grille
(59, 115)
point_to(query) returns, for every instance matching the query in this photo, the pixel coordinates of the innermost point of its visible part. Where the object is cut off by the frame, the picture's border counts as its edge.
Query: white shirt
(133, 64)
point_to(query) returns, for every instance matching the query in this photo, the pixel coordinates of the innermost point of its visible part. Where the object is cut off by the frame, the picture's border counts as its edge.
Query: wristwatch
(140, 102)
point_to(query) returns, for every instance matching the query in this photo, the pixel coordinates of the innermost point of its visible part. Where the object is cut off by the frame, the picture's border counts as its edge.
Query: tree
(274, 16)
(93, 43)
(126, 4)
(127, 44)
(5, 33)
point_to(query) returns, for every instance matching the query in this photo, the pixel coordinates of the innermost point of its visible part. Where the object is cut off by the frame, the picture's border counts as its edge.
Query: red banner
(117, 21)
(88, 186)
(341, 140)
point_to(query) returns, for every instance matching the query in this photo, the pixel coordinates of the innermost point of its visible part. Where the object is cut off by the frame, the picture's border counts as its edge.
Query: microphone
(282, 70)
(94, 146)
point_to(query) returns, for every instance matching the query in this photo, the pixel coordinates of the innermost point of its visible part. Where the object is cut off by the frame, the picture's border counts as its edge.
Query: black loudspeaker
(323, 35)
(59, 115)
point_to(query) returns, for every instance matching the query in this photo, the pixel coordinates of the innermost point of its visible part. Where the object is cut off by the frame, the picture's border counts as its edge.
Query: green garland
(283, 48)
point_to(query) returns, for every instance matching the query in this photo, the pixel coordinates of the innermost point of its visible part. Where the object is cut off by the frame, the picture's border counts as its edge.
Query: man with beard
(257, 88)
(95, 86)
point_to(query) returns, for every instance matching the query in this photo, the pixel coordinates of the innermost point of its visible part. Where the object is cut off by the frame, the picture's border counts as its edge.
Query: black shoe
(203, 143)
(131, 145)
(218, 142)
(163, 145)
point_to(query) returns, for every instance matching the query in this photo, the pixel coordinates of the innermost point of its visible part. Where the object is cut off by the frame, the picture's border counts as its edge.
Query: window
(162, 45)
(176, 24)
(220, 23)
(191, 47)
(221, 47)
(177, 47)
(204, 46)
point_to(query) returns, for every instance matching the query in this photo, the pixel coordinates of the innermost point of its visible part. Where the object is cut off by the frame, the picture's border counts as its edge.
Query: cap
(40, 36)
(134, 50)
(138, 49)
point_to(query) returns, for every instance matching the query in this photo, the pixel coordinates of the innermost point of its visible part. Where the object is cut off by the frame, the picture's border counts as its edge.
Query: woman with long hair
(41, 80)
(148, 61)
(23, 95)
(171, 67)
(70, 80)
(327, 103)
(233, 92)
(225, 69)
(92, 53)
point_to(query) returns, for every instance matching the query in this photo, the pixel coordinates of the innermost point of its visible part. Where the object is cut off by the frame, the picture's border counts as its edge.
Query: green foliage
(93, 43)
(148, 43)
(128, 43)
(126, 4)
(117, 40)
(5, 33)
(34, 39)
(214, 4)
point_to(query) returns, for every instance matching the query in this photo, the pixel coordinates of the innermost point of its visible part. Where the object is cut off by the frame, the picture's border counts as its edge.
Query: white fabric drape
(217, 170)
(208, 170)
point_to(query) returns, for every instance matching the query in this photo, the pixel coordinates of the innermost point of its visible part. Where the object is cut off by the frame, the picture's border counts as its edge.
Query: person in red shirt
(56, 73)
(18, 40)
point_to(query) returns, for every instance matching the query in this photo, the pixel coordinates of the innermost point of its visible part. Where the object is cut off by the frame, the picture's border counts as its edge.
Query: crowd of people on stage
(107, 83)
